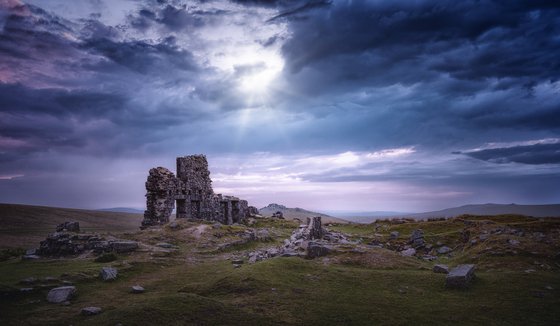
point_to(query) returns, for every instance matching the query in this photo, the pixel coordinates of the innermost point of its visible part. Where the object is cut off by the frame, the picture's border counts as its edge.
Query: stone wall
(192, 191)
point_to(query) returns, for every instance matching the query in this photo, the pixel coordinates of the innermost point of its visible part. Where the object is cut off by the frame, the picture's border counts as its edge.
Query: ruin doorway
(225, 208)
(235, 211)
(181, 209)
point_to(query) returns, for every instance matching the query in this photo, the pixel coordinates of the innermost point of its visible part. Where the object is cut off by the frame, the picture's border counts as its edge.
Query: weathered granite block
(460, 277)
(61, 294)
(108, 273)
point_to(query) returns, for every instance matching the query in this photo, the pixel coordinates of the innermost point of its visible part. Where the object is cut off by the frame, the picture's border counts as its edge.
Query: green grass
(199, 286)
(285, 291)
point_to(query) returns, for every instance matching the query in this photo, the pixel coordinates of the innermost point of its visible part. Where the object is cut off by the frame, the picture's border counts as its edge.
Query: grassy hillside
(25, 226)
(517, 283)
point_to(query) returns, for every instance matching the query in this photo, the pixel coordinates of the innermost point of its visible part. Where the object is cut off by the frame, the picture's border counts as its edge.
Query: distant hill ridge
(296, 212)
(552, 210)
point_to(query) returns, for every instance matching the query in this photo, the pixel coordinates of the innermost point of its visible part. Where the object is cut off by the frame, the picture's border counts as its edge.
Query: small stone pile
(67, 241)
(417, 239)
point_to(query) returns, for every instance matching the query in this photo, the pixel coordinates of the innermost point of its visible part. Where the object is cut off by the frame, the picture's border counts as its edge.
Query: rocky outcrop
(460, 277)
(61, 294)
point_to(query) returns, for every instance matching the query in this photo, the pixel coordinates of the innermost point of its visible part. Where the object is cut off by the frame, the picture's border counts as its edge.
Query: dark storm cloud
(309, 5)
(530, 154)
(409, 42)
(177, 17)
(144, 57)
(162, 78)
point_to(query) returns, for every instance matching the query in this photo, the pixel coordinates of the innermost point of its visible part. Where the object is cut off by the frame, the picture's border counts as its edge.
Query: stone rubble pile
(65, 242)
(310, 240)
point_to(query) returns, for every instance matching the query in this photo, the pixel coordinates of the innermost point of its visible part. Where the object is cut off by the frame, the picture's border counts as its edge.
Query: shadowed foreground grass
(280, 291)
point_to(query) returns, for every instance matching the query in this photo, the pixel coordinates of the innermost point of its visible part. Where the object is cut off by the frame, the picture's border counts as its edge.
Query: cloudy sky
(329, 105)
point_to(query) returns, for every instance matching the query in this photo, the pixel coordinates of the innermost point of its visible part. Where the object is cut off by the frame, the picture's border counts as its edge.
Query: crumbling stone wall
(161, 188)
(192, 191)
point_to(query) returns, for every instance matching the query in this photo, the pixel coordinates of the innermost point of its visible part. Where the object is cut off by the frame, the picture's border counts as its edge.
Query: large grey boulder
(394, 235)
(124, 246)
(108, 273)
(61, 294)
(460, 277)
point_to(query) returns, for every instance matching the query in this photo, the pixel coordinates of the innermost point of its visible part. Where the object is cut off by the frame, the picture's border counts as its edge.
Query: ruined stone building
(191, 190)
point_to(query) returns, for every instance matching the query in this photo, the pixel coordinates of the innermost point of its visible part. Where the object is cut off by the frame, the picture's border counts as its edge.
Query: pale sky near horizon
(326, 105)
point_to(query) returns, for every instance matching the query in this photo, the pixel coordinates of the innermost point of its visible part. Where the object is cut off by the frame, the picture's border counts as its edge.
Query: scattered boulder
(444, 250)
(69, 227)
(137, 289)
(460, 277)
(440, 268)
(61, 294)
(417, 238)
(108, 273)
(90, 311)
(394, 235)
(237, 261)
(408, 252)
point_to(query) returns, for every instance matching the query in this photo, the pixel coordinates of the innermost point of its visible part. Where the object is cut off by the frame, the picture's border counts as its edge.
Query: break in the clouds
(350, 105)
